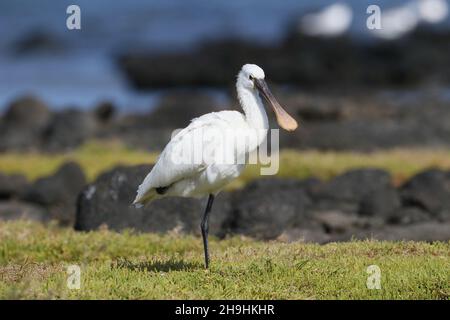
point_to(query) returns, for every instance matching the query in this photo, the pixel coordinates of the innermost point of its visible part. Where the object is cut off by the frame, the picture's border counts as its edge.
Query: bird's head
(248, 74)
(252, 77)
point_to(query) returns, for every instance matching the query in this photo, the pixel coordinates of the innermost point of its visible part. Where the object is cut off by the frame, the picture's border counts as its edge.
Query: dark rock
(381, 203)
(12, 185)
(360, 134)
(317, 108)
(177, 109)
(301, 60)
(430, 191)
(343, 121)
(424, 231)
(333, 204)
(346, 191)
(59, 192)
(269, 208)
(12, 210)
(104, 112)
(23, 123)
(273, 184)
(68, 129)
(265, 212)
(27, 111)
(336, 221)
(408, 215)
(132, 133)
(353, 185)
(108, 200)
(331, 226)
(153, 130)
(38, 42)
(381, 121)
(214, 64)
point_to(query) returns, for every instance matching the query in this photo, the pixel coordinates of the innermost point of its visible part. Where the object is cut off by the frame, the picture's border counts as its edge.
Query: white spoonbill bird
(172, 177)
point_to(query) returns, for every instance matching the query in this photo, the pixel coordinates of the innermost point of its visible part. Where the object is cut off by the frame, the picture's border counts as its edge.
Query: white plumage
(193, 179)
(223, 139)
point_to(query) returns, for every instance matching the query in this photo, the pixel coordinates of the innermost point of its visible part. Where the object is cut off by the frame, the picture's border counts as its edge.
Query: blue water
(84, 74)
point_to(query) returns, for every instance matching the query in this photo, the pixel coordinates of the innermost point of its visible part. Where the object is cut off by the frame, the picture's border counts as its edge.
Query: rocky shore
(359, 204)
(328, 121)
(300, 60)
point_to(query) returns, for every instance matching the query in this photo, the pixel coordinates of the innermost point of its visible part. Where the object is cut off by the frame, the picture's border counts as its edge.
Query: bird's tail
(144, 199)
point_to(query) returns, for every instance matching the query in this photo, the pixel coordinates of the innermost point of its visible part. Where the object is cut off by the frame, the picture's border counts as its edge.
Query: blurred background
(113, 91)
(137, 56)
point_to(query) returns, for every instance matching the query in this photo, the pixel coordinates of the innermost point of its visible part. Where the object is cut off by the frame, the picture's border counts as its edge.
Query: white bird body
(208, 177)
(194, 179)
(223, 139)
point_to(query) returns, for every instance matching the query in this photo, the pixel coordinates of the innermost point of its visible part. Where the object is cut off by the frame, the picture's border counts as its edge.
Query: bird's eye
(250, 77)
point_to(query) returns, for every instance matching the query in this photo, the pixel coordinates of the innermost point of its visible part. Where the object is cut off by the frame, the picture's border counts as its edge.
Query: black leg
(204, 227)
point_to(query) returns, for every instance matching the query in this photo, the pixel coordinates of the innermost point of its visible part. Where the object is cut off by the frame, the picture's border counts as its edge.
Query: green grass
(34, 258)
(128, 265)
(96, 157)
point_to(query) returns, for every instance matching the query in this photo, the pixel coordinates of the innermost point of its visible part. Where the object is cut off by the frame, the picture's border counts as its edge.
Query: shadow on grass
(157, 265)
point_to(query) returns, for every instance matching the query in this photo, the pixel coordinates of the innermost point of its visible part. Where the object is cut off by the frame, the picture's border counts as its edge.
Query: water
(84, 73)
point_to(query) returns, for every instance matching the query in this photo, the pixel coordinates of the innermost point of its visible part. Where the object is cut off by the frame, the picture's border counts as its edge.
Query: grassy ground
(96, 157)
(34, 260)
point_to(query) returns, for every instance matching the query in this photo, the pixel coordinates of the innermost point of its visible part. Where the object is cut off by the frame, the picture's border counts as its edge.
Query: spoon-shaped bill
(284, 120)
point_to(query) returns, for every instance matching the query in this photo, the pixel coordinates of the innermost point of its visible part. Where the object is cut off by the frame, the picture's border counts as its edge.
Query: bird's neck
(253, 107)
